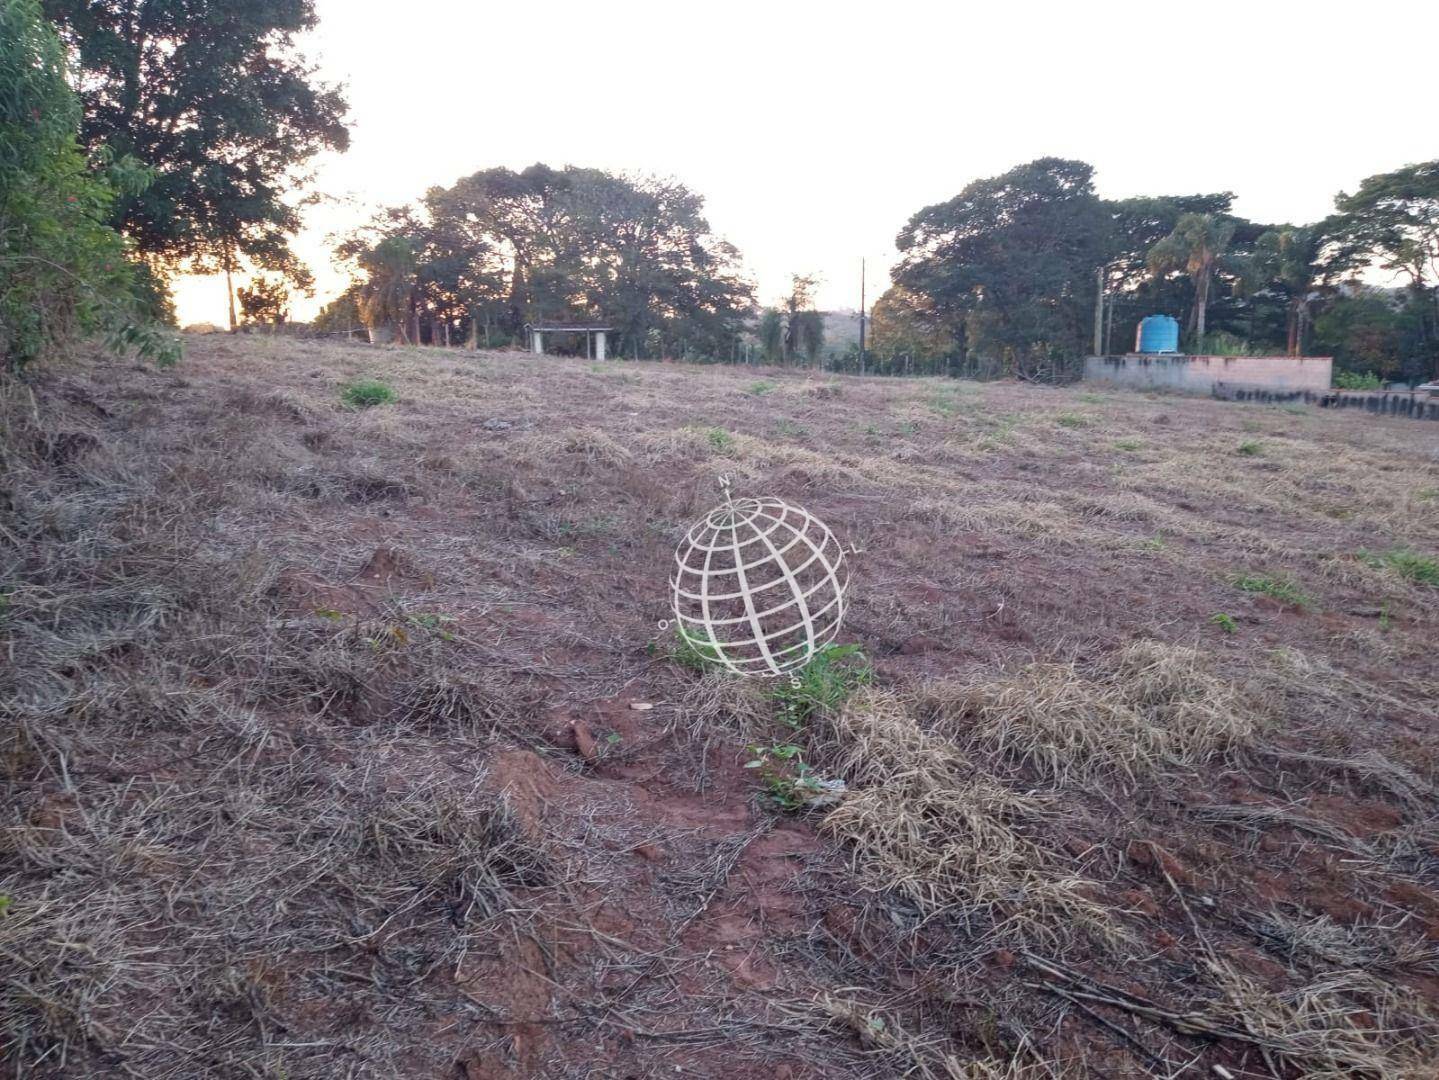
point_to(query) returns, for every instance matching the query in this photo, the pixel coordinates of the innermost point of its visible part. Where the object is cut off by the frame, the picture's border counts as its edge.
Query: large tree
(1289, 262)
(1392, 222)
(903, 329)
(1365, 333)
(500, 249)
(214, 96)
(1010, 262)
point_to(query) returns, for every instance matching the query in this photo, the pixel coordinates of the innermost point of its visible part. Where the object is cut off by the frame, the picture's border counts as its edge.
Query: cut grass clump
(1149, 707)
(1343, 1024)
(1410, 565)
(367, 393)
(922, 821)
(717, 701)
(1276, 588)
(895, 1050)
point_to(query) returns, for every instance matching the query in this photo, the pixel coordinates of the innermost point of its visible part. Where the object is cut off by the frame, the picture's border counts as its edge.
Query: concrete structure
(594, 337)
(1198, 374)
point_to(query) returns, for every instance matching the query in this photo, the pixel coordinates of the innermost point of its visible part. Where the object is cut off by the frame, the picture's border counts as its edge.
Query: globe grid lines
(814, 587)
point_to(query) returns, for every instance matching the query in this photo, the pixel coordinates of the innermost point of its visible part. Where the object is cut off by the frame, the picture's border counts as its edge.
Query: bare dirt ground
(344, 743)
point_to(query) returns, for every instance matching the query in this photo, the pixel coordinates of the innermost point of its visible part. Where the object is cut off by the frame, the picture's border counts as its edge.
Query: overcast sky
(814, 130)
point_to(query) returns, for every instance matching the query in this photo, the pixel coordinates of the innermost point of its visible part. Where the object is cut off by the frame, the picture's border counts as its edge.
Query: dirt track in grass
(324, 755)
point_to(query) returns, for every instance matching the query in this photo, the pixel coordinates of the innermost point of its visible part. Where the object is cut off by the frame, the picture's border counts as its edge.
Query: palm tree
(1196, 245)
(387, 297)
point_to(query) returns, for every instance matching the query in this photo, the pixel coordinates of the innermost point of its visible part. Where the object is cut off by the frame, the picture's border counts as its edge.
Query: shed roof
(568, 327)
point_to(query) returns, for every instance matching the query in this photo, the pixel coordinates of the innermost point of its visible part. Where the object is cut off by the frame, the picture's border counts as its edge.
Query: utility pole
(1108, 326)
(229, 284)
(861, 315)
(1099, 312)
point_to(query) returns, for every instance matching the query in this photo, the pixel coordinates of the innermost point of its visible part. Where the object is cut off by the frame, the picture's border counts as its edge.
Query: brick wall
(1198, 374)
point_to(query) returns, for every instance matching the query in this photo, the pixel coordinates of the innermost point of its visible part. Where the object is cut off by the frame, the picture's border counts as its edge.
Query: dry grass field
(342, 742)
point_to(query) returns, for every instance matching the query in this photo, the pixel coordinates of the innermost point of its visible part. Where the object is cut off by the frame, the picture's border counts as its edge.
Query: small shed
(595, 340)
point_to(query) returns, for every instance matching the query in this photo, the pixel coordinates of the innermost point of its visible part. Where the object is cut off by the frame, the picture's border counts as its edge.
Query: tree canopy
(905, 334)
(1012, 258)
(215, 98)
(500, 249)
(64, 272)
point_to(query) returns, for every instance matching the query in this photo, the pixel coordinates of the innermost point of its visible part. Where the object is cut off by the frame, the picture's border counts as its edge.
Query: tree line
(139, 138)
(1026, 272)
(1019, 274)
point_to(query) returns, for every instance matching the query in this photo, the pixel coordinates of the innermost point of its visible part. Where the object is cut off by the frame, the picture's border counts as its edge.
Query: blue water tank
(1157, 333)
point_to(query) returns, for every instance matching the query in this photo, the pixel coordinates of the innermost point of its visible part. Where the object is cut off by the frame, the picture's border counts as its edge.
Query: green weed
(1073, 420)
(367, 393)
(1410, 565)
(588, 528)
(823, 683)
(760, 388)
(1128, 444)
(721, 440)
(789, 781)
(1277, 588)
(692, 652)
(1251, 448)
(1224, 622)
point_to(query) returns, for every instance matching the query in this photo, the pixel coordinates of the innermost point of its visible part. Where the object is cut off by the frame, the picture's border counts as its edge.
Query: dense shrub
(63, 272)
(1357, 380)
